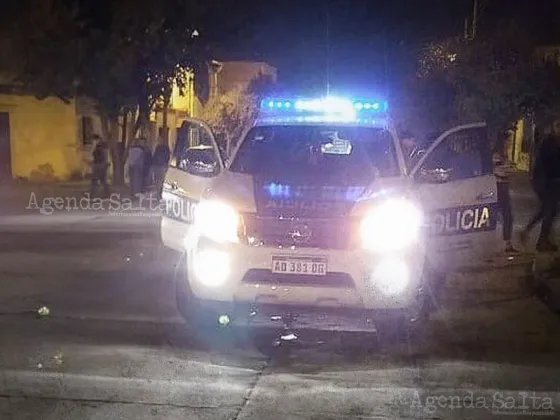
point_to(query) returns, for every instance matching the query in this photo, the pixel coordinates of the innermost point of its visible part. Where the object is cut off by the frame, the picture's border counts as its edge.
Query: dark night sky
(370, 41)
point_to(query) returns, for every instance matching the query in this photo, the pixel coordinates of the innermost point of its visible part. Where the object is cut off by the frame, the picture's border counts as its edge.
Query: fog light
(391, 276)
(211, 267)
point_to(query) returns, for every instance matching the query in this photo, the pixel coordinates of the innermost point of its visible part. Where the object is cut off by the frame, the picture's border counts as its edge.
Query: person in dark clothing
(160, 161)
(100, 165)
(546, 182)
(502, 171)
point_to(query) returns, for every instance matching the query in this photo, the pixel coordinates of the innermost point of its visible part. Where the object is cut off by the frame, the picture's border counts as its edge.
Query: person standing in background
(100, 164)
(136, 172)
(160, 162)
(546, 183)
(147, 168)
(502, 170)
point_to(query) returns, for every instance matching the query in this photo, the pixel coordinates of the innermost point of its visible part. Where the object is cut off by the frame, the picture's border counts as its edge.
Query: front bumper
(349, 284)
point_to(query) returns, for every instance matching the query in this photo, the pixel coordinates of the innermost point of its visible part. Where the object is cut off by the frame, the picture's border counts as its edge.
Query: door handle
(485, 196)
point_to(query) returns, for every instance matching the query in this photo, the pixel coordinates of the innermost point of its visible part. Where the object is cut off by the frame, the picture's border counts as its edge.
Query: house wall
(43, 137)
(520, 146)
(522, 143)
(238, 74)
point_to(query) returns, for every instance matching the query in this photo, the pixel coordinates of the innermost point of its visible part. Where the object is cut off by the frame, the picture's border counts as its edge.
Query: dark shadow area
(61, 242)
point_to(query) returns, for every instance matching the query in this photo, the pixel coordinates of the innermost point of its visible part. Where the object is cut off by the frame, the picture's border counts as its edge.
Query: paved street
(113, 345)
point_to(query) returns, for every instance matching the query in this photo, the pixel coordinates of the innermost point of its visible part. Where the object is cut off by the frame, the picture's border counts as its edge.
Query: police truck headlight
(212, 267)
(391, 226)
(217, 221)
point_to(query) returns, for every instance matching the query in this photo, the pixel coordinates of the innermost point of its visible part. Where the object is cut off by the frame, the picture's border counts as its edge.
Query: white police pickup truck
(316, 218)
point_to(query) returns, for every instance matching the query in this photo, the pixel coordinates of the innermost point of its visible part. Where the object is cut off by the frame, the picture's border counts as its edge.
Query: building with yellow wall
(41, 139)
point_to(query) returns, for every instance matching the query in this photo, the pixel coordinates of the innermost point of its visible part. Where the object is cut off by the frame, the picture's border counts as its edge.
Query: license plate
(311, 266)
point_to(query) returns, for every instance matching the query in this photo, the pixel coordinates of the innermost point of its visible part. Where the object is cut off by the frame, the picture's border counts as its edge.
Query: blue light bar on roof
(322, 105)
(374, 106)
(322, 110)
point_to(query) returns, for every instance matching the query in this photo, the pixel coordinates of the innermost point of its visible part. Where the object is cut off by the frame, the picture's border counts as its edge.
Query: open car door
(195, 163)
(455, 183)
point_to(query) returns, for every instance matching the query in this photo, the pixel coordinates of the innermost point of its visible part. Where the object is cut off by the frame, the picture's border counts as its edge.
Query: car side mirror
(435, 176)
(200, 162)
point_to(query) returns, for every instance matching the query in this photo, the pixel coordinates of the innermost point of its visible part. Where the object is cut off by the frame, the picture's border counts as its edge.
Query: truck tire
(202, 322)
(408, 330)
(433, 282)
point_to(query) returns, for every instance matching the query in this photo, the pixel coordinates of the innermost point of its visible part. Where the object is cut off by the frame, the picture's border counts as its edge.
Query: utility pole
(470, 29)
(474, 18)
(328, 49)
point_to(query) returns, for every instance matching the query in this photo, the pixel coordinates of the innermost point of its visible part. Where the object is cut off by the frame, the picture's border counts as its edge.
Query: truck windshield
(350, 154)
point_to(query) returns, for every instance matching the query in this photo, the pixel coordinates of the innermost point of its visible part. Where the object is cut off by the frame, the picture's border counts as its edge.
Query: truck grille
(262, 276)
(339, 233)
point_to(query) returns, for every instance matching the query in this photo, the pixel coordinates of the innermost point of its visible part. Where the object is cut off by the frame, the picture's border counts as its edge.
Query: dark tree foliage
(497, 77)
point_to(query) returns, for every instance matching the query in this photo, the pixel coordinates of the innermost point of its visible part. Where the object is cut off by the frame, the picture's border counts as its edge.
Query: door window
(195, 150)
(462, 155)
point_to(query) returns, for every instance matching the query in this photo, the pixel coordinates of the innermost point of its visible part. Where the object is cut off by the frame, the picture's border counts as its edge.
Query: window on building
(87, 131)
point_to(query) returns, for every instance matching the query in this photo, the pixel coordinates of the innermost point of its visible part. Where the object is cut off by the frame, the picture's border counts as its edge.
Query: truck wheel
(402, 336)
(433, 283)
(357, 345)
(407, 330)
(202, 322)
(268, 343)
(183, 294)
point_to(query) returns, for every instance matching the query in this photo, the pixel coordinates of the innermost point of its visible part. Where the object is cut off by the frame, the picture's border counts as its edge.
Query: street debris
(58, 358)
(43, 311)
(288, 337)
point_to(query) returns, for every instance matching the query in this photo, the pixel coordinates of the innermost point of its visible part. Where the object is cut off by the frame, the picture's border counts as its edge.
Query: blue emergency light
(322, 110)
(328, 105)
